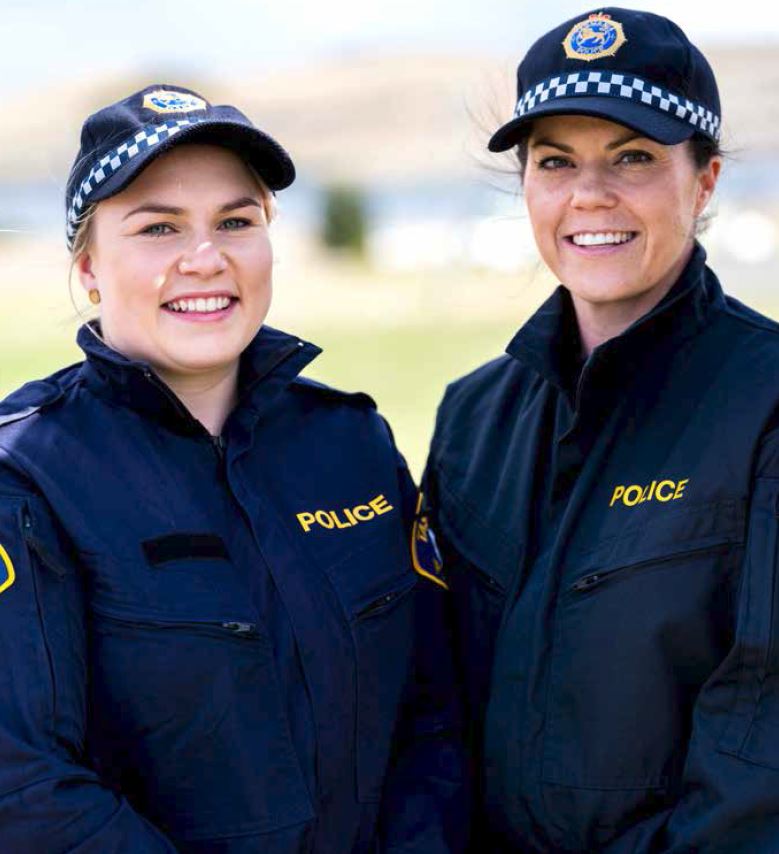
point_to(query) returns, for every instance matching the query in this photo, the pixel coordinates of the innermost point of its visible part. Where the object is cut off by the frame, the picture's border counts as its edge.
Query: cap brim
(268, 158)
(639, 117)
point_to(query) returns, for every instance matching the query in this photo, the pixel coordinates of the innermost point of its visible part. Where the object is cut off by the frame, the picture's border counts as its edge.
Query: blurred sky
(47, 40)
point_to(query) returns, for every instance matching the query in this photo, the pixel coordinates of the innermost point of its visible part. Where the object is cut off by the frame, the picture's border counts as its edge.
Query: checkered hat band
(612, 85)
(113, 162)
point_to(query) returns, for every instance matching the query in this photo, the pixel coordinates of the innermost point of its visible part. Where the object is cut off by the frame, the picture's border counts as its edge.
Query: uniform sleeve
(424, 807)
(50, 800)
(730, 794)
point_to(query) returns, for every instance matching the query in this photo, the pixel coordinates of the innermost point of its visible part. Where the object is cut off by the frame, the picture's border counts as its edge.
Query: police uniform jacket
(612, 537)
(209, 645)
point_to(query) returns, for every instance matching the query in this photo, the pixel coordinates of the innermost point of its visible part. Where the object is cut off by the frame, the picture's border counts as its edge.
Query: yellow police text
(657, 490)
(348, 517)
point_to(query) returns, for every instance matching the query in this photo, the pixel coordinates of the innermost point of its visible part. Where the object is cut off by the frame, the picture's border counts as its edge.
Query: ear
(86, 272)
(707, 182)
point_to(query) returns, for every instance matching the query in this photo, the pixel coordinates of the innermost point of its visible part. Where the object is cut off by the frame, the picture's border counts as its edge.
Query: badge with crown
(593, 38)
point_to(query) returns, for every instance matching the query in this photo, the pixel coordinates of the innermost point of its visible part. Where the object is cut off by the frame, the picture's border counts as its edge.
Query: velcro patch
(425, 555)
(184, 547)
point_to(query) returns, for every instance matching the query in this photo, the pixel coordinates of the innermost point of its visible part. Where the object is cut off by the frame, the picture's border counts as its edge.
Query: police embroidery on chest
(7, 573)
(658, 490)
(346, 517)
(594, 38)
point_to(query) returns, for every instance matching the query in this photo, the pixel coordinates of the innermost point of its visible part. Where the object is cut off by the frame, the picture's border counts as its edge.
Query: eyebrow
(157, 208)
(620, 141)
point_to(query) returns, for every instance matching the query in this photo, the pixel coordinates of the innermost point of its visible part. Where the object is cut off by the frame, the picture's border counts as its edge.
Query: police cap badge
(594, 37)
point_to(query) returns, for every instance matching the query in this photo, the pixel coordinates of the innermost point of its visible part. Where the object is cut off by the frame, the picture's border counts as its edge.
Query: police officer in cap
(220, 617)
(608, 491)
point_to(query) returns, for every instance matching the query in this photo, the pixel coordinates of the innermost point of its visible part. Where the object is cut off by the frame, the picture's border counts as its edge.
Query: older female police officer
(207, 601)
(608, 491)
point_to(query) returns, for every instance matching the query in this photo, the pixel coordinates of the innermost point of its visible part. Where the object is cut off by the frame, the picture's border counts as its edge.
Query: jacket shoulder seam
(358, 398)
(757, 321)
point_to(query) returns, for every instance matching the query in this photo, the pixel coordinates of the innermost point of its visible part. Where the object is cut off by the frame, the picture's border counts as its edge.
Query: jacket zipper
(383, 602)
(218, 443)
(596, 579)
(486, 578)
(233, 628)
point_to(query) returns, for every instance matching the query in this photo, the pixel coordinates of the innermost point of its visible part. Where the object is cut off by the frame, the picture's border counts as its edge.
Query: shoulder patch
(357, 398)
(7, 573)
(425, 555)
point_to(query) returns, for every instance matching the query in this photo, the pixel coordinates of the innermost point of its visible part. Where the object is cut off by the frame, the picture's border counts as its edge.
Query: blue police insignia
(595, 37)
(169, 101)
(425, 555)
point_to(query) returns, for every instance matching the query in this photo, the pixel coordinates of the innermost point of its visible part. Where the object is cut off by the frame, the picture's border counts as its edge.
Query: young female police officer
(608, 491)
(207, 601)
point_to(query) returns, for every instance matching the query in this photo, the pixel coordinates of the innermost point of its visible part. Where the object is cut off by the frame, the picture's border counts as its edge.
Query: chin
(202, 360)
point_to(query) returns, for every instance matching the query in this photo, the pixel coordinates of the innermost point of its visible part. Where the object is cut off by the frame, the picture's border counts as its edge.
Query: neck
(210, 397)
(600, 321)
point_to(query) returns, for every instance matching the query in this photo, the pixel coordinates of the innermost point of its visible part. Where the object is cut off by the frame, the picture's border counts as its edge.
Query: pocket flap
(686, 529)
(477, 540)
(44, 538)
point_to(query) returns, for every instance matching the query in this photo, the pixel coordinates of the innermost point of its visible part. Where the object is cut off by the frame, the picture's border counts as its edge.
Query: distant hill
(375, 120)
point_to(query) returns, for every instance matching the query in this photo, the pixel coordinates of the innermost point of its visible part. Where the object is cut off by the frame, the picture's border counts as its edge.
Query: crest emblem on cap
(595, 37)
(169, 101)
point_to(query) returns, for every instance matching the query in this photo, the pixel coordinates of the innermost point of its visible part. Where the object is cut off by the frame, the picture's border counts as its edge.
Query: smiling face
(182, 261)
(613, 213)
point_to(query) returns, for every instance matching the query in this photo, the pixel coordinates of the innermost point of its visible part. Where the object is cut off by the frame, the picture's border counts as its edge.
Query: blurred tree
(344, 220)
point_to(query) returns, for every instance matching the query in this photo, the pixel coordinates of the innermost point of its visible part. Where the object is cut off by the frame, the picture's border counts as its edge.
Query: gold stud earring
(94, 296)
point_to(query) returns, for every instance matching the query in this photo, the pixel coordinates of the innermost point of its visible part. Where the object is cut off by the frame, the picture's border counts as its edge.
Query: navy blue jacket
(216, 645)
(612, 539)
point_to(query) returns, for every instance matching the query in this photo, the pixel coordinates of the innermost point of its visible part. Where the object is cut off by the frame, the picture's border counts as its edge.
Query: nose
(592, 189)
(203, 260)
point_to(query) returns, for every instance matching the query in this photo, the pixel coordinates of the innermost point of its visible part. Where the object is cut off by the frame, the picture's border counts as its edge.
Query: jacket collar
(268, 365)
(549, 341)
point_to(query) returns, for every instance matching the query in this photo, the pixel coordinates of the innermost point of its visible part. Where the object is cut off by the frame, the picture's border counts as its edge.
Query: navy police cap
(120, 140)
(633, 68)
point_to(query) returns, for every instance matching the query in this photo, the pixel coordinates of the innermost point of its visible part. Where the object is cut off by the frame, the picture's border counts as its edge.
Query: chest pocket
(187, 713)
(641, 623)
(375, 586)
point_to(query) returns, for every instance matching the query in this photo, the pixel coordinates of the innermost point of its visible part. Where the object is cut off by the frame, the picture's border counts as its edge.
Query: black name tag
(184, 547)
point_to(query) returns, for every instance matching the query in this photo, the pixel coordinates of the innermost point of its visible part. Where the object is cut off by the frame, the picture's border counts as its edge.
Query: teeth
(200, 304)
(600, 238)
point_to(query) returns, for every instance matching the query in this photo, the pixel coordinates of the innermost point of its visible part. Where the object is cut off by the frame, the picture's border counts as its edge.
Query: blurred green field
(411, 335)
